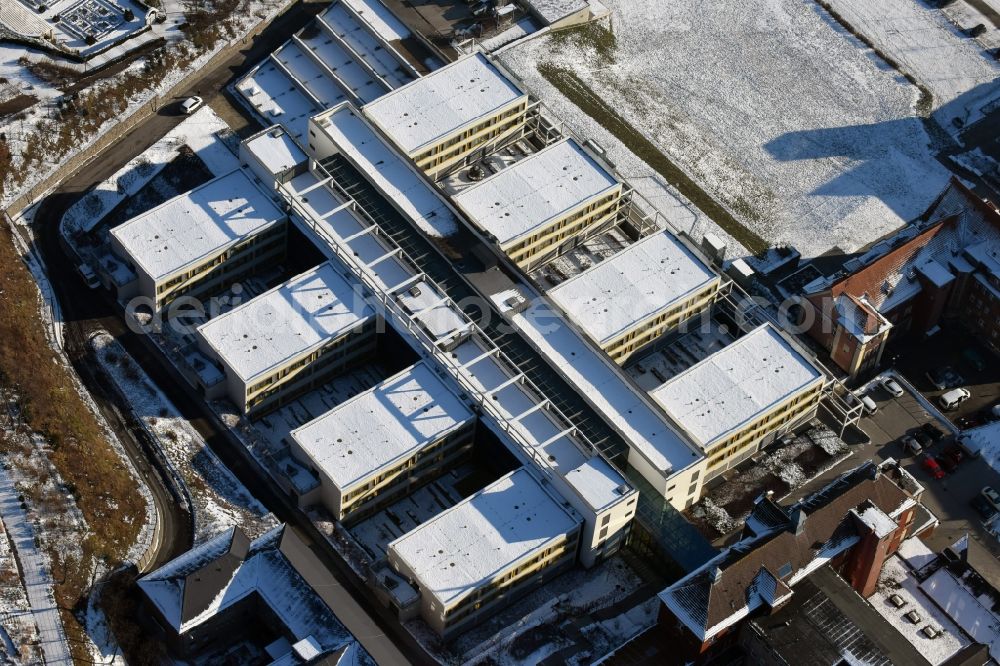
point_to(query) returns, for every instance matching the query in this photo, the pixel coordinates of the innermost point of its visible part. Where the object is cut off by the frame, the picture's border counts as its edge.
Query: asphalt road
(86, 311)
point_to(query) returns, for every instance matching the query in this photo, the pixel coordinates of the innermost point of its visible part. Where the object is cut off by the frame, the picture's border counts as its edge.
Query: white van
(953, 398)
(869, 405)
(191, 104)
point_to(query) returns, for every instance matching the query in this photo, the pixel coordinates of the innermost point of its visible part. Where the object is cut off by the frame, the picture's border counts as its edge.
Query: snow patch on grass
(805, 135)
(218, 499)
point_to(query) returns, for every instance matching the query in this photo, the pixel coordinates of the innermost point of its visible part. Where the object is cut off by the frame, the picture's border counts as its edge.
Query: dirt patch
(16, 105)
(780, 470)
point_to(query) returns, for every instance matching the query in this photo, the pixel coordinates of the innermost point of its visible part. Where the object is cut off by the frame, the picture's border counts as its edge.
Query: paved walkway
(35, 571)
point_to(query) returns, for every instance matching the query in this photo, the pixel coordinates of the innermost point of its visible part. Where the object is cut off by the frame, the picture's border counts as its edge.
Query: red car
(947, 463)
(932, 467)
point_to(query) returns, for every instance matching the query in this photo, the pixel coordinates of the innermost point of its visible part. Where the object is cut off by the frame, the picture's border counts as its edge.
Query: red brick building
(852, 525)
(946, 265)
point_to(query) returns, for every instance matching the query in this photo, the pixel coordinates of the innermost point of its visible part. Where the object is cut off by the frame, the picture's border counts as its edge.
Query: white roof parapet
(464, 547)
(645, 428)
(285, 322)
(441, 102)
(392, 173)
(275, 149)
(385, 424)
(553, 11)
(198, 224)
(732, 386)
(633, 286)
(542, 187)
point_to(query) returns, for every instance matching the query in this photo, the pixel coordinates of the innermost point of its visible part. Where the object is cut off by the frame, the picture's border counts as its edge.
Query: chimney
(798, 520)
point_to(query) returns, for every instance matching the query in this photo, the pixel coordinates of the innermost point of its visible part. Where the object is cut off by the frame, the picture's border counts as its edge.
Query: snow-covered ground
(956, 69)
(896, 578)
(20, 127)
(219, 499)
(543, 622)
(16, 622)
(201, 133)
(777, 111)
(36, 573)
(780, 463)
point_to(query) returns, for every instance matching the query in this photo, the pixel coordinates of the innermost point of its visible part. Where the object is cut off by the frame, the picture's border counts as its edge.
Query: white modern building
(629, 300)
(516, 411)
(346, 53)
(545, 204)
(290, 339)
(441, 119)
(201, 241)
(383, 443)
(483, 552)
(273, 157)
(743, 396)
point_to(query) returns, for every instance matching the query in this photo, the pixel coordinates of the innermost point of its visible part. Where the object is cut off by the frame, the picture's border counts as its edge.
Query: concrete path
(36, 575)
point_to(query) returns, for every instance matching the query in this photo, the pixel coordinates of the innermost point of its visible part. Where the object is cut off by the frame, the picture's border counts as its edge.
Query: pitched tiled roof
(887, 274)
(739, 580)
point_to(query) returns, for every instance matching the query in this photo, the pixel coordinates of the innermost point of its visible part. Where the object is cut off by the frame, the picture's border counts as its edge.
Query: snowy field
(219, 499)
(780, 114)
(17, 628)
(962, 77)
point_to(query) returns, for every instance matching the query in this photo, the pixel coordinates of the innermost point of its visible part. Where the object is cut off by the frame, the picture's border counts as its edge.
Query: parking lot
(955, 352)
(948, 498)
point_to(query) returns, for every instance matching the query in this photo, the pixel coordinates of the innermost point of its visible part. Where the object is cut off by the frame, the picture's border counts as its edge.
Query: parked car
(929, 463)
(947, 464)
(89, 276)
(191, 104)
(892, 386)
(922, 438)
(933, 431)
(983, 507)
(954, 454)
(945, 378)
(911, 445)
(868, 404)
(992, 496)
(953, 398)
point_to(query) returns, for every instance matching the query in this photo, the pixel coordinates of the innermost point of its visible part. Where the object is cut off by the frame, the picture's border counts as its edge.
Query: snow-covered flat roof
(896, 579)
(332, 218)
(734, 385)
(642, 425)
(286, 322)
(382, 425)
(196, 225)
(464, 547)
(389, 171)
(274, 149)
(632, 286)
(274, 95)
(538, 189)
(445, 100)
(555, 10)
(381, 20)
